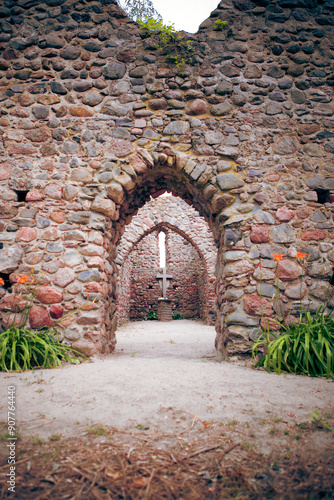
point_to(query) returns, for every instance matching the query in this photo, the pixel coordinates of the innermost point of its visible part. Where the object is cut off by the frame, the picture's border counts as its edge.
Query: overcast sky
(187, 15)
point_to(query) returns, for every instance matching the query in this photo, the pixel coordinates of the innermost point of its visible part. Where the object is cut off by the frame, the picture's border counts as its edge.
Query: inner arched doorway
(192, 288)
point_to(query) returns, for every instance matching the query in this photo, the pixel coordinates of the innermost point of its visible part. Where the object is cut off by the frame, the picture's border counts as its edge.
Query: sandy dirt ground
(160, 372)
(161, 418)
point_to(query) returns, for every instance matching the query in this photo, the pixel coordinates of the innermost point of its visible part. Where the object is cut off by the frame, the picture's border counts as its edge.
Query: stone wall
(191, 256)
(95, 120)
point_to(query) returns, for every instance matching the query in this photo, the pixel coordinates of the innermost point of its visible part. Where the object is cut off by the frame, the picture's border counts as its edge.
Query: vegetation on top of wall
(220, 25)
(165, 36)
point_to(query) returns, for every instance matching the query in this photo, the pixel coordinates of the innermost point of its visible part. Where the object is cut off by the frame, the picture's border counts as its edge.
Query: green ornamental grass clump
(305, 346)
(23, 348)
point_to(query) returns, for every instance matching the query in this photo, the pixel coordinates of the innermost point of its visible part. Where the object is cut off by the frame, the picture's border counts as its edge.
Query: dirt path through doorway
(159, 373)
(162, 407)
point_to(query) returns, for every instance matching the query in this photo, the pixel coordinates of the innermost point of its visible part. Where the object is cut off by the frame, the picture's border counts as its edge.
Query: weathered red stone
(34, 195)
(270, 324)
(96, 262)
(41, 134)
(303, 213)
(120, 147)
(197, 107)
(273, 177)
(284, 214)
(93, 288)
(21, 149)
(257, 305)
(26, 234)
(259, 234)
(56, 311)
(38, 317)
(157, 104)
(288, 270)
(95, 164)
(48, 295)
(50, 234)
(313, 234)
(164, 73)
(21, 113)
(138, 164)
(4, 171)
(12, 303)
(58, 216)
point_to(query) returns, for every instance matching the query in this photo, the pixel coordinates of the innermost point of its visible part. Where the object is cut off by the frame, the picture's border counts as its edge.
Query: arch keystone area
(94, 121)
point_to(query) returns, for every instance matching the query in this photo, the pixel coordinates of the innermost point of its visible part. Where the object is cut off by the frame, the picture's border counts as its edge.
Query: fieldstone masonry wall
(94, 121)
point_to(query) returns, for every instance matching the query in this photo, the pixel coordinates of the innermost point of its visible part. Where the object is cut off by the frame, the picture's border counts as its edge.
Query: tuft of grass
(55, 437)
(319, 421)
(306, 347)
(23, 349)
(99, 430)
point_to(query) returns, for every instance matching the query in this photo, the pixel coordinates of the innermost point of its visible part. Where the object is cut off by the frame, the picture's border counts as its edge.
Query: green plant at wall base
(22, 348)
(151, 315)
(303, 347)
(220, 25)
(177, 316)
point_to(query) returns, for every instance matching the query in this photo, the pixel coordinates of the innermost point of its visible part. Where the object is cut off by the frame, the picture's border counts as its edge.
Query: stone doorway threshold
(162, 375)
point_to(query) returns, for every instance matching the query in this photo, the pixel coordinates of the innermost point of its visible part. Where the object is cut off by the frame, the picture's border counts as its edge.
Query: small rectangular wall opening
(21, 195)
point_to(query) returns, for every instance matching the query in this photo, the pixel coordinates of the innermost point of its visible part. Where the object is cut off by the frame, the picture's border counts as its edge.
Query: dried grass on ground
(206, 461)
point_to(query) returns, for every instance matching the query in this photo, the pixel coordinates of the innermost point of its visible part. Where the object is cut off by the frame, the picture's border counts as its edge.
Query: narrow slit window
(162, 249)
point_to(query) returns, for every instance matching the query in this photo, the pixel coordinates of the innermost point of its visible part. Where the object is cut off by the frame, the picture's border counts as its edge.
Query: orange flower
(22, 279)
(277, 256)
(260, 265)
(2, 281)
(300, 255)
